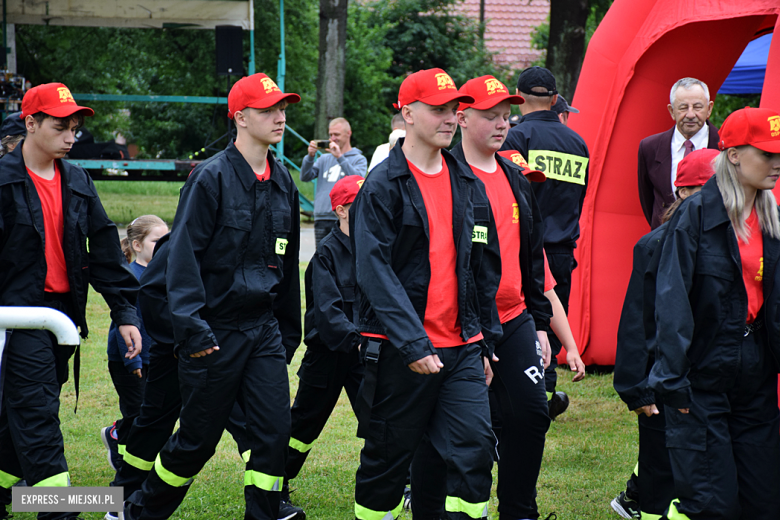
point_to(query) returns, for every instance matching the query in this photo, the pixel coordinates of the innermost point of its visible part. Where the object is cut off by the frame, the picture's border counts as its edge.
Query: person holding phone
(341, 160)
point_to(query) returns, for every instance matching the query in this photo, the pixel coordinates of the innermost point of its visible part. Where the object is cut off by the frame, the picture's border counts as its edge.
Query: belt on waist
(757, 325)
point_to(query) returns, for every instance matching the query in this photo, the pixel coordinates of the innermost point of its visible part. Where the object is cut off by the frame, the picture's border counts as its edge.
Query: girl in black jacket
(715, 369)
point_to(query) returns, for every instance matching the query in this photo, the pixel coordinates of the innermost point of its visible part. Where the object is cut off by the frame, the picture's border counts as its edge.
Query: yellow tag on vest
(479, 234)
(564, 167)
(281, 246)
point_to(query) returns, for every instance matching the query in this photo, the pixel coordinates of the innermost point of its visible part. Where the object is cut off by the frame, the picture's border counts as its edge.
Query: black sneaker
(557, 405)
(407, 498)
(108, 436)
(626, 507)
(287, 511)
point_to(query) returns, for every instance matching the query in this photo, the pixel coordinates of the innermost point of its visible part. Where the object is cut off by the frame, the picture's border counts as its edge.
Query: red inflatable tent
(637, 53)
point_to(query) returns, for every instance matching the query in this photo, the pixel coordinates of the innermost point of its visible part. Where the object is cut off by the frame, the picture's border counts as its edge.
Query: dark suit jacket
(656, 192)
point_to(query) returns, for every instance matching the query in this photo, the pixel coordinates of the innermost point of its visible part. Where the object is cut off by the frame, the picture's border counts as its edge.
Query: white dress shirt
(700, 142)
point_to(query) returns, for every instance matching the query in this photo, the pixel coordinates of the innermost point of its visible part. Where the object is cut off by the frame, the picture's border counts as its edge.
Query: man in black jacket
(331, 361)
(427, 266)
(562, 155)
(234, 295)
(49, 209)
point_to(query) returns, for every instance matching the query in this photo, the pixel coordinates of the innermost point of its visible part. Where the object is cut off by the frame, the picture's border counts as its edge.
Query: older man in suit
(659, 154)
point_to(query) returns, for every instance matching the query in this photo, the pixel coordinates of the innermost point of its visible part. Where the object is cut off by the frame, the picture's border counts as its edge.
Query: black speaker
(230, 50)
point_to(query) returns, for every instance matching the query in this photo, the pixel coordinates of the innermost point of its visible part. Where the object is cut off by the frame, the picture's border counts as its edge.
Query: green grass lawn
(590, 451)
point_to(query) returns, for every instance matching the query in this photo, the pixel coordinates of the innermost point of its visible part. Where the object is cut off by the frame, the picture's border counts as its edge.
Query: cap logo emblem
(774, 125)
(360, 183)
(65, 95)
(444, 81)
(518, 159)
(493, 86)
(269, 85)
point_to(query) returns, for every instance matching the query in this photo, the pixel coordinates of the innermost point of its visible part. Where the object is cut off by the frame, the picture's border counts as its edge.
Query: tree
(331, 69)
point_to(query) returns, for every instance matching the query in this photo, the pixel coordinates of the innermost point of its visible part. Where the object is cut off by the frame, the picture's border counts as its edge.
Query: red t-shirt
(50, 193)
(549, 279)
(266, 173)
(441, 310)
(752, 256)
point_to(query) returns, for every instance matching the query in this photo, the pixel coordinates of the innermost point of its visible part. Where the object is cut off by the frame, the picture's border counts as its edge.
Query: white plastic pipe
(40, 318)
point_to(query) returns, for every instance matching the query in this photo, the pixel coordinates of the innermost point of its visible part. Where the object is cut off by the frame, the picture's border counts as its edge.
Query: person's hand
(648, 409)
(488, 370)
(427, 365)
(312, 148)
(138, 373)
(132, 337)
(546, 350)
(684, 410)
(335, 150)
(206, 352)
(575, 364)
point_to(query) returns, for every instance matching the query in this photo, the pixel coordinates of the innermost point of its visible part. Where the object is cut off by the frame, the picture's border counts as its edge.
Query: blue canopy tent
(747, 77)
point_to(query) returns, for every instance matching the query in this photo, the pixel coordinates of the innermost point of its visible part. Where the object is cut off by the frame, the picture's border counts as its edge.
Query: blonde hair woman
(716, 345)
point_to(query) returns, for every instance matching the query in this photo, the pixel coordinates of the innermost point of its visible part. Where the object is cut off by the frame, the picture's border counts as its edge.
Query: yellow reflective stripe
(648, 516)
(673, 513)
(169, 478)
(549, 395)
(300, 446)
(281, 246)
(121, 449)
(636, 469)
(136, 462)
(559, 166)
(7, 480)
(364, 513)
(245, 456)
(458, 505)
(263, 480)
(59, 480)
(479, 234)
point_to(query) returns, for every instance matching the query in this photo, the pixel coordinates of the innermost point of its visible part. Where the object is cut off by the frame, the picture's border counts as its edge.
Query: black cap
(537, 77)
(562, 106)
(514, 119)
(13, 125)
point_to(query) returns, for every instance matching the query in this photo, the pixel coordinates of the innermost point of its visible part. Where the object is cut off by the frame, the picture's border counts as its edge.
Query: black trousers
(323, 374)
(655, 479)
(159, 411)
(250, 366)
(518, 387)
(562, 263)
(31, 446)
(450, 409)
(130, 389)
(725, 453)
(321, 230)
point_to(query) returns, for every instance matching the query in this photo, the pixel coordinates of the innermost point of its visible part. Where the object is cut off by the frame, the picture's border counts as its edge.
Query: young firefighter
(234, 296)
(718, 342)
(427, 267)
(522, 307)
(331, 361)
(634, 358)
(49, 210)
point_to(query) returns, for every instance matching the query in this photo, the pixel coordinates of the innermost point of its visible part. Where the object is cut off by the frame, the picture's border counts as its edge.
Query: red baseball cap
(53, 99)
(432, 86)
(487, 92)
(345, 190)
(256, 91)
(759, 127)
(696, 169)
(517, 158)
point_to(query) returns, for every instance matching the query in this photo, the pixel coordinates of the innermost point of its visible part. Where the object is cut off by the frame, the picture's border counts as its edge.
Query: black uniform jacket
(22, 250)
(636, 332)
(330, 321)
(153, 297)
(390, 240)
(531, 240)
(234, 252)
(555, 149)
(701, 301)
